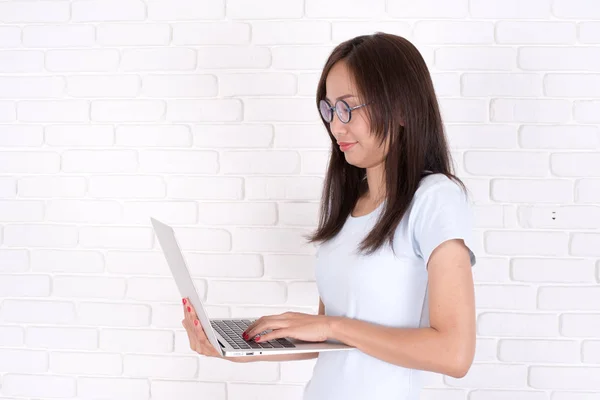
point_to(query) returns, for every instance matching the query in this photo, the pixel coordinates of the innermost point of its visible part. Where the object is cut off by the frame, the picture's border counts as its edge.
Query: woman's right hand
(198, 340)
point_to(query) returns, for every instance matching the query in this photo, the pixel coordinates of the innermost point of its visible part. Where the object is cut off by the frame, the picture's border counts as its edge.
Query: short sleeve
(441, 212)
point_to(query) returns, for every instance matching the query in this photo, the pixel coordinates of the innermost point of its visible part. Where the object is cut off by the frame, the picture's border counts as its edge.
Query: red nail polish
(196, 322)
(184, 301)
(189, 309)
(245, 335)
(257, 339)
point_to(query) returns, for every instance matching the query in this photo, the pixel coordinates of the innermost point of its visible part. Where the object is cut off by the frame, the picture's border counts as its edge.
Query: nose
(337, 127)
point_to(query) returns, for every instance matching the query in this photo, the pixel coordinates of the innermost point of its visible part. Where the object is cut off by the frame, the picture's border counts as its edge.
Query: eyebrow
(341, 97)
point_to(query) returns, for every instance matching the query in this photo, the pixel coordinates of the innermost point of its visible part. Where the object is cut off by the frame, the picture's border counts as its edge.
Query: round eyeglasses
(342, 109)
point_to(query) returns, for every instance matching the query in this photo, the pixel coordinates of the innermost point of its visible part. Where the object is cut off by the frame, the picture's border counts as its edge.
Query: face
(364, 151)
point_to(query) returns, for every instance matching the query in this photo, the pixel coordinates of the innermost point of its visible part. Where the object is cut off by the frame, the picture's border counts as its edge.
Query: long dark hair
(390, 73)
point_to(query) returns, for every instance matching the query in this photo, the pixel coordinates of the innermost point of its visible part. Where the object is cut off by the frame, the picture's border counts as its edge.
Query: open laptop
(226, 334)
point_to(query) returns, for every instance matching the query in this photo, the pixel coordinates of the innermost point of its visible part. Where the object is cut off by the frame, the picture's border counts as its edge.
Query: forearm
(417, 348)
(278, 357)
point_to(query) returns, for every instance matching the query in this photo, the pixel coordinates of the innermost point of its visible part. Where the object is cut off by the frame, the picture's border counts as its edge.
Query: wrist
(333, 327)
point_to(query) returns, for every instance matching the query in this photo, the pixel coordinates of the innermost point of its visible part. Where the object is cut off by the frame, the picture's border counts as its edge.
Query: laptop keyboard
(232, 330)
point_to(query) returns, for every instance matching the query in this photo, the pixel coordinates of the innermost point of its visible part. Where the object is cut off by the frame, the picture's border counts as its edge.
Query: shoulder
(437, 186)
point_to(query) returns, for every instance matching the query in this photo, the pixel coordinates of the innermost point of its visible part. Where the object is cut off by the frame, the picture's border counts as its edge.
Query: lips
(346, 145)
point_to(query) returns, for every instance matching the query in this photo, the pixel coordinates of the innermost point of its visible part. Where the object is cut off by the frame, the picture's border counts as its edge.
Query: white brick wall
(201, 113)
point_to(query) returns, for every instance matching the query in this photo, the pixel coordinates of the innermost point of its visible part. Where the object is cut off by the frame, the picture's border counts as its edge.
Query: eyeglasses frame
(331, 108)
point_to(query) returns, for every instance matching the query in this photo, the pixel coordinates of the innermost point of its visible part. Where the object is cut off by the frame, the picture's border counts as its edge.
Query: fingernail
(184, 301)
(257, 338)
(189, 309)
(196, 322)
(245, 335)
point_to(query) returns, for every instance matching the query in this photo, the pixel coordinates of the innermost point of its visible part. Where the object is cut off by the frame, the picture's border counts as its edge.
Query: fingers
(276, 334)
(267, 323)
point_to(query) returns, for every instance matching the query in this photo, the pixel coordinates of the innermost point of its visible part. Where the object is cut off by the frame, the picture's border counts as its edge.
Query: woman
(393, 264)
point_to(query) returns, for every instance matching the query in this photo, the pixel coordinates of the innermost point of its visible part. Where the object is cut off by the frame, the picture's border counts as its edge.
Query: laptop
(226, 334)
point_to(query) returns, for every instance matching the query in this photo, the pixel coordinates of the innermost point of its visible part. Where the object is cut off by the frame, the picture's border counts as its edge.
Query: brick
(38, 385)
(212, 33)
(22, 360)
(513, 324)
(219, 57)
(516, 164)
(587, 191)
(11, 336)
(119, 34)
(14, 260)
(62, 337)
(475, 58)
(474, 136)
(585, 244)
(291, 32)
(228, 292)
(178, 161)
(285, 110)
(25, 286)
(37, 312)
(53, 111)
(163, 367)
(298, 214)
(179, 86)
(51, 186)
(580, 298)
(259, 162)
(563, 58)
(82, 60)
(157, 59)
(539, 351)
(10, 36)
(153, 136)
(509, 9)
(103, 86)
(572, 85)
(501, 84)
(233, 136)
(552, 270)
(257, 84)
(338, 9)
(454, 32)
(88, 287)
(158, 289)
(575, 377)
(578, 9)
(546, 243)
(274, 240)
(180, 212)
(21, 60)
(165, 390)
(505, 297)
(203, 239)
(136, 341)
(299, 57)
(464, 110)
(21, 211)
(428, 9)
(264, 9)
(113, 314)
(501, 376)
(76, 261)
(575, 164)
(123, 186)
(205, 188)
(115, 237)
(59, 36)
(243, 213)
(79, 135)
(99, 161)
(518, 32)
(34, 11)
(74, 363)
(585, 111)
(108, 10)
(559, 137)
(526, 110)
(113, 387)
(185, 9)
(32, 235)
(283, 188)
(532, 190)
(589, 32)
(580, 325)
(223, 110)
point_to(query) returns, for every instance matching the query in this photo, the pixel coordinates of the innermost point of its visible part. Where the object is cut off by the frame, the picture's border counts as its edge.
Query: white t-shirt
(384, 288)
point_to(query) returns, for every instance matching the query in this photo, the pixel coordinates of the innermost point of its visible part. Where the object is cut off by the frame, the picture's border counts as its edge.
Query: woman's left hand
(307, 327)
